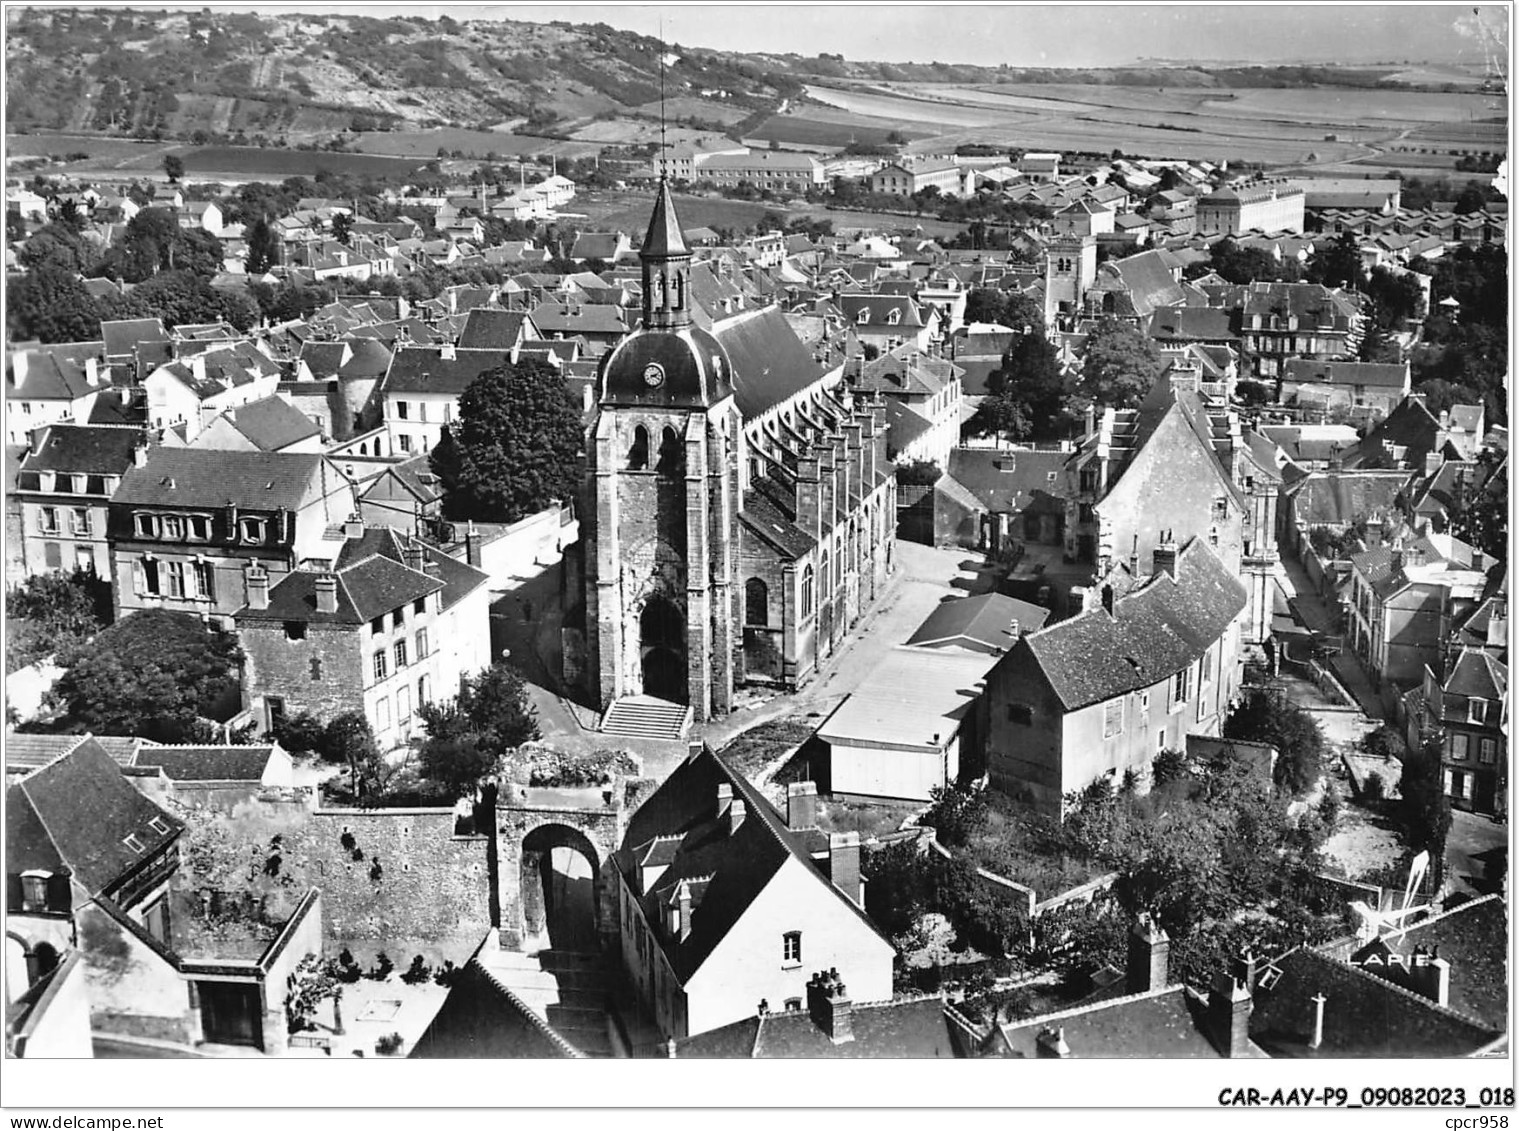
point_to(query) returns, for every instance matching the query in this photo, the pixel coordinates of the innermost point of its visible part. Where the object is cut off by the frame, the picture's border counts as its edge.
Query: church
(739, 506)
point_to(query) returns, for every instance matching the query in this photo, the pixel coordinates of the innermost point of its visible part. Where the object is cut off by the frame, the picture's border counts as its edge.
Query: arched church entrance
(662, 650)
(561, 890)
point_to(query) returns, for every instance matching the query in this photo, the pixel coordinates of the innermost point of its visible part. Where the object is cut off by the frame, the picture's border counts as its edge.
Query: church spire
(666, 267)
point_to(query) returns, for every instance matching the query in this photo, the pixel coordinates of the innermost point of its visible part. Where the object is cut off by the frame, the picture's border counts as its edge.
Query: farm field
(1272, 126)
(105, 152)
(426, 143)
(629, 212)
(816, 127)
(247, 161)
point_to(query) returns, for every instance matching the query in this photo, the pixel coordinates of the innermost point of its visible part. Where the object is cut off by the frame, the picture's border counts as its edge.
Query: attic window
(158, 825)
(863, 317)
(131, 841)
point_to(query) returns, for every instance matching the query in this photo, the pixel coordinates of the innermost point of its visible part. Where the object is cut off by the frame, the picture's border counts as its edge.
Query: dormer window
(132, 842)
(893, 316)
(252, 529)
(1476, 710)
(173, 528)
(147, 525)
(34, 890)
(158, 825)
(863, 317)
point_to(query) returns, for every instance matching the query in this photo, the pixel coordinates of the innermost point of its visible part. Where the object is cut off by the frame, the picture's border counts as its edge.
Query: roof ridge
(1081, 1010)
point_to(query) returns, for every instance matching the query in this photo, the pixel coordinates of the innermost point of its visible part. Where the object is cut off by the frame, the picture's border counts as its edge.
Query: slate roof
(1339, 498)
(425, 369)
(1166, 1023)
(769, 511)
(980, 623)
(50, 375)
(83, 449)
(770, 364)
(1364, 1016)
(1154, 631)
(912, 1028)
(732, 869)
(1473, 938)
(1192, 324)
(260, 481)
(272, 423)
(877, 310)
(121, 335)
(1010, 482)
(1309, 370)
(206, 763)
(370, 359)
(28, 751)
(903, 426)
(494, 329)
(912, 698)
(1477, 674)
(223, 369)
(580, 318)
(1147, 280)
(906, 370)
(600, 245)
(77, 812)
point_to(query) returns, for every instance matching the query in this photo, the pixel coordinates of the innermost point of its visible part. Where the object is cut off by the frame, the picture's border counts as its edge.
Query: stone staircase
(569, 992)
(643, 716)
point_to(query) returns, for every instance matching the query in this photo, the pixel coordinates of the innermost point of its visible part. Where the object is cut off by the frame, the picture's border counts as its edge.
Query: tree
(342, 228)
(50, 305)
(1425, 807)
(516, 447)
(1243, 264)
(1337, 264)
(180, 297)
(1000, 416)
(152, 674)
(65, 605)
(59, 247)
(174, 167)
(1120, 366)
(467, 736)
(1480, 516)
(1267, 716)
(919, 473)
(349, 739)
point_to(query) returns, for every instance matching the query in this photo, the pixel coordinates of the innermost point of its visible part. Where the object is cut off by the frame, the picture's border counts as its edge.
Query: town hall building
(740, 502)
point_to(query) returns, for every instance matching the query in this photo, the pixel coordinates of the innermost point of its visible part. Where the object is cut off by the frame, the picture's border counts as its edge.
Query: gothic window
(756, 602)
(824, 573)
(638, 454)
(807, 591)
(1063, 266)
(670, 454)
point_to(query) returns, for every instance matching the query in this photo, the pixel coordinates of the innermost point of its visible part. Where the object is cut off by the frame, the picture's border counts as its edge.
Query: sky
(1032, 35)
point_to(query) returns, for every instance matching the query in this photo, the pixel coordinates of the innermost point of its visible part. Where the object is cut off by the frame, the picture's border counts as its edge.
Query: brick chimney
(1228, 1012)
(256, 586)
(1165, 555)
(844, 865)
(1051, 1044)
(327, 593)
(802, 805)
(829, 1005)
(683, 906)
(1149, 956)
(414, 556)
(736, 813)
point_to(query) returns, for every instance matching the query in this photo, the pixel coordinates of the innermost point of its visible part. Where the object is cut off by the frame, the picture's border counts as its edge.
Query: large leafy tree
(1266, 716)
(1120, 366)
(178, 296)
(1337, 264)
(516, 447)
(467, 735)
(263, 247)
(59, 246)
(50, 305)
(1480, 517)
(152, 674)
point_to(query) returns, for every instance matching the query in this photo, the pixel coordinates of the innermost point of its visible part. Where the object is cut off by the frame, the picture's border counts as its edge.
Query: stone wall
(430, 884)
(278, 665)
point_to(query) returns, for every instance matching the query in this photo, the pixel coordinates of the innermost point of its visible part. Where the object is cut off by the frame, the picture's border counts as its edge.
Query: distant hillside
(307, 78)
(135, 73)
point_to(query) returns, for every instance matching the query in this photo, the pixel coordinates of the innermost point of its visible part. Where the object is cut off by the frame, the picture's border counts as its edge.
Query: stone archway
(662, 650)
(559, 878)
(531, 825)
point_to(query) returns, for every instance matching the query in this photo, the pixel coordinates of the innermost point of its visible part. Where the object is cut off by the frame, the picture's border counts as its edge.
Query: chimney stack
(327, 593)
(256, 586)
(1429, 975)
(1149, 956)
(446, 352)
(1051, 1044)
(413, 555)
(829, 1005)
(472, 545)
(844, 866)
(735, 816)
(92, 371)
(724, 797)
(1229, 1007)
(353, 528)
(683, 902)
(1107, 599)
(802, 805)
(140, 453)
(1317, 1039)
(1165, 556)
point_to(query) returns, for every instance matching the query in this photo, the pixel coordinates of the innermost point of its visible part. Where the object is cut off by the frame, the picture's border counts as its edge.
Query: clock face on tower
(653, 375)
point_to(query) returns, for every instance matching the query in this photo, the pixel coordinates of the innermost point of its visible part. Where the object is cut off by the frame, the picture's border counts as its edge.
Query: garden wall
(430, 884)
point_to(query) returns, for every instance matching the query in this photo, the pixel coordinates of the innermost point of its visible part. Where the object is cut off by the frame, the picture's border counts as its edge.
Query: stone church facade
(739, 504)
